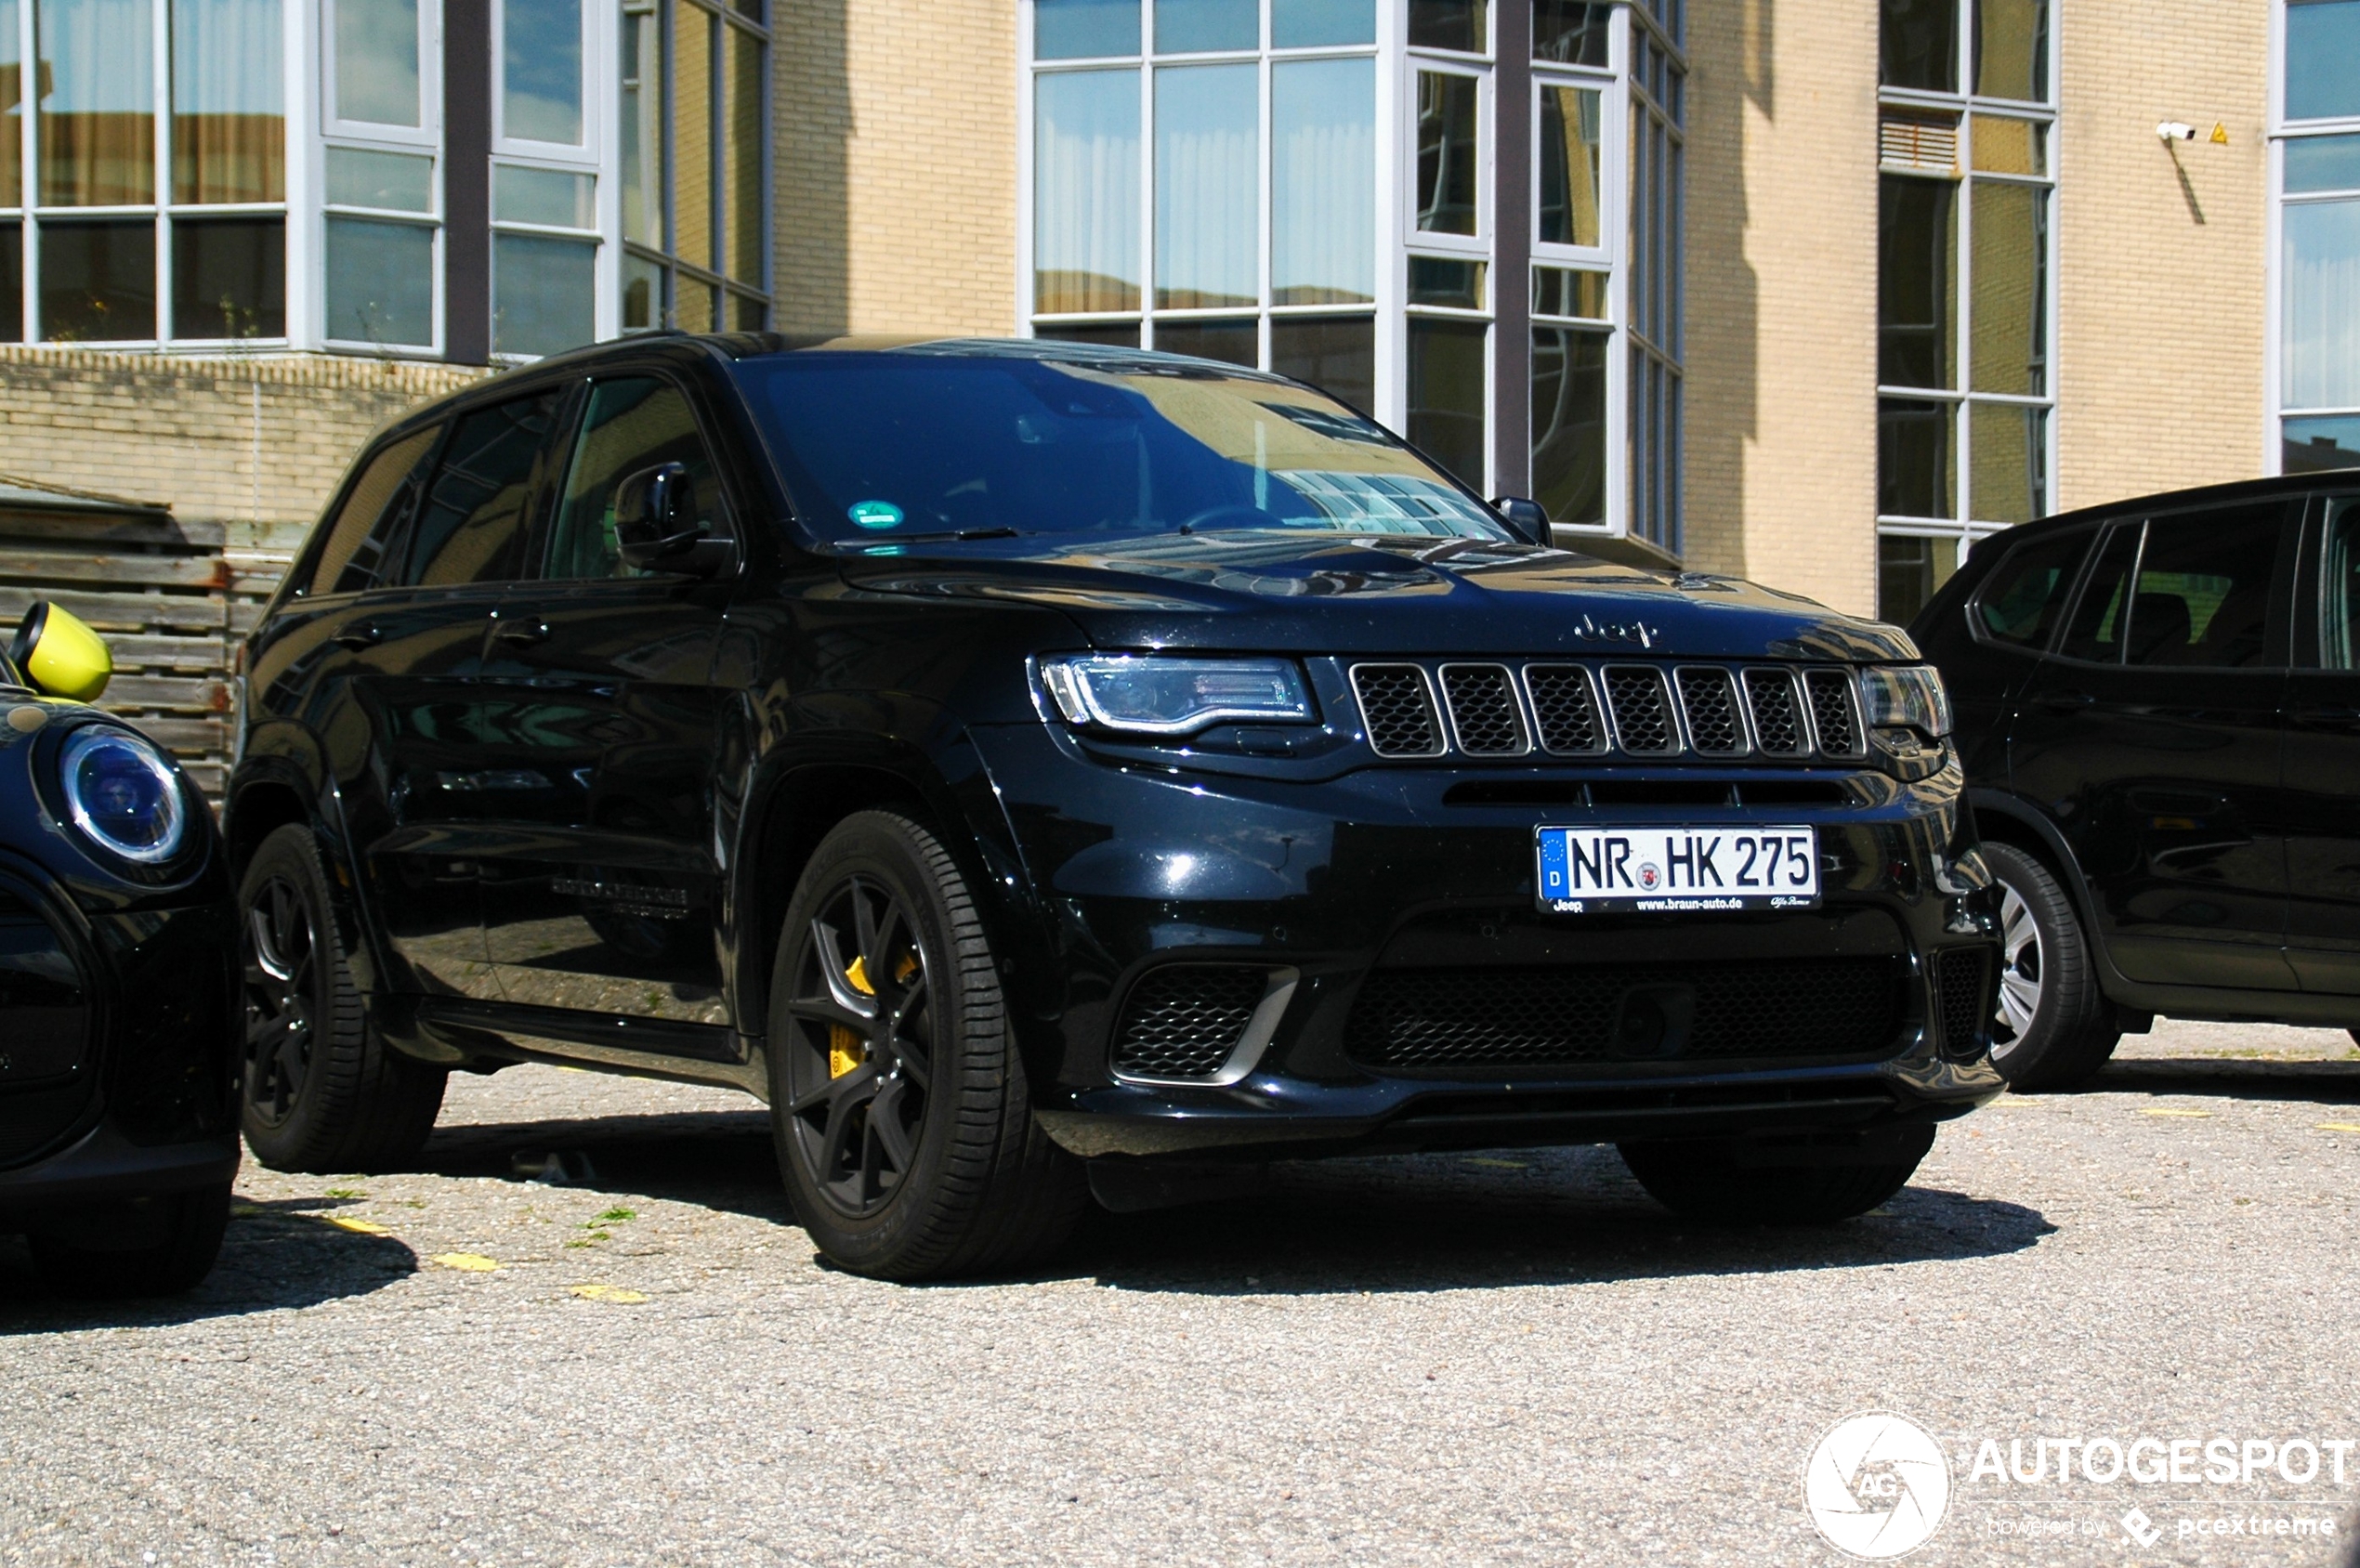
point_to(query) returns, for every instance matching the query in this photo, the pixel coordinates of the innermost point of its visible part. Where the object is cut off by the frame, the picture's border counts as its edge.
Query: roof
(26, 495)
(2203, 495)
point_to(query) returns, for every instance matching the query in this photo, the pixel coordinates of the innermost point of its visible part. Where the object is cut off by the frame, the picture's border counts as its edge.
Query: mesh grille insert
(1710, 700)
(1831, 711)
(1565, 708)
(1484, 714)
(1185, 1021)
(1568, 1015)
(1399, 713)
(1960, 991)
(1778, 720)
(1642, 711)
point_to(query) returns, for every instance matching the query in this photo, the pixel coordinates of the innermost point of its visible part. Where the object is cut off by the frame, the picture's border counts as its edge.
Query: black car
(118, 1004)
(1037, 768)
(2159, 708)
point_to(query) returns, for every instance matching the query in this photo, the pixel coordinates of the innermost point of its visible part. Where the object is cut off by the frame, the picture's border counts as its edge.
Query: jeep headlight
(1155, 695)
(1908, 695)
(123, 794)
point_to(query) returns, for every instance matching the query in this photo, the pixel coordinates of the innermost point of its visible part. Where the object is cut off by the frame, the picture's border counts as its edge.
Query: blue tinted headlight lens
(123, 794)
(1155, 695)
(1906, 694)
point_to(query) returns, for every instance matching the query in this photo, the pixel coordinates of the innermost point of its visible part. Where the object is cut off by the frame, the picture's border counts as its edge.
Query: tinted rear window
(2025, 596)
(352, 553)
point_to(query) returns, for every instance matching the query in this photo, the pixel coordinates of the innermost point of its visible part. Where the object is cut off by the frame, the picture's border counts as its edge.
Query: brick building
(1815, 292)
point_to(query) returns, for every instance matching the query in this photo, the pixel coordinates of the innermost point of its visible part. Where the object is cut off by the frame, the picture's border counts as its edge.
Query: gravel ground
(1514, 1358)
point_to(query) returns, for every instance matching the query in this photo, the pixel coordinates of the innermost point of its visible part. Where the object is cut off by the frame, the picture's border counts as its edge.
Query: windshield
(919, 443)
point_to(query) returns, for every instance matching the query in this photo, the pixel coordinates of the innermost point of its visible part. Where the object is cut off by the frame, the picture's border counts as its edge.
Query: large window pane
(1920, 43)
(1916, 459)
(2323, 58)
(2012, 49)
(377, 61)
(380, 281)
(542, 291)
(1337, 354)
(741, 149)
(553, 198)
(11, 109)
(1917, 314)
(2315, 444)
(229, 135)
(1323, 120)
(642, 113)
(541, 70)
(1185, 26)
(1446, 113)
(1084, 29)
(2008, 465)
(2202, 598)
(1908, 570)
(2323, 304)
(1448, 24)
(399, 182)
(471, 527)
(1572, 177)
(229, 277)
(99, 281)
(1305, 24)
(2009, 275)
(1208, 155)
(97, 113)
(1452, 283)
(1446, 395)
(2006, 146)
(11, 282)
(692, 136)
(1570, 31)
(1570, 423)
(2323, 163)
(1234, 343)
(1085, 238)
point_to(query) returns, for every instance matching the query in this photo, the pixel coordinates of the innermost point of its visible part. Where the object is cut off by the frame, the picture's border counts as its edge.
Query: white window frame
(427, 133)
(2275, 412)
(599, 155)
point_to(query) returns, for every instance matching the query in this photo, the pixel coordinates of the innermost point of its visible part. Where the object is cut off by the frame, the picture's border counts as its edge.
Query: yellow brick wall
(189, 432)
(2163, 253)
(895, 165)
(1782, 295)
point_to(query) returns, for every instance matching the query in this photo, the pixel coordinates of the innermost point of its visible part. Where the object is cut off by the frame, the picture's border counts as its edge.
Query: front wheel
(898, 1101)
(1700, 1181)
(152, 1248)
(2055, 1027)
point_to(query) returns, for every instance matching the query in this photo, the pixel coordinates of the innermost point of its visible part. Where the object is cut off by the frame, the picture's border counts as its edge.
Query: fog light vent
(1961, 987)
(1186, 1021)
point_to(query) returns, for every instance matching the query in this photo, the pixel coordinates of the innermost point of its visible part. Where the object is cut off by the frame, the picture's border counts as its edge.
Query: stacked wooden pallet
(170, 594)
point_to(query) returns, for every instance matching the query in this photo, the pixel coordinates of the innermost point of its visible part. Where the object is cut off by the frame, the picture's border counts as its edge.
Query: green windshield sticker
(875, 513)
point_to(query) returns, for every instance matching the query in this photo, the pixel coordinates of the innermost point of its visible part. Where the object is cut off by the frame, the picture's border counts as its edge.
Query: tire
(2053, 1026)
(320, 1091)
(1699, 1181)
(177, 1239)
(899, 1102)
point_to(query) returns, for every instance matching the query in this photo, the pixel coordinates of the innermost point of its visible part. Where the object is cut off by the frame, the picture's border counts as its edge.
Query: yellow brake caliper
(845, 1050)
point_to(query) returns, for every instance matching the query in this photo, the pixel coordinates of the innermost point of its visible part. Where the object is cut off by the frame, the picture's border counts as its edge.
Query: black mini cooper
(1037, 769)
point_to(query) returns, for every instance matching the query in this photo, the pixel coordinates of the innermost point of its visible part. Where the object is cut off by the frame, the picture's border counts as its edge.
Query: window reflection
(1570, 423)
(1572, 181)
(229, 133)
(1447, 402)
(1446, 148)
(1323, 178)
(229, 277)
(376, 49)
(98, 118)
(1208, 147)
(99, 281)
(2323, 58)
(541, 70)
(1086, 192)
(2012, 49)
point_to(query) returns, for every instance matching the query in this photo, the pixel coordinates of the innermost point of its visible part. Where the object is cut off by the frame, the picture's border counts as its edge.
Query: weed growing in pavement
(597, 1230)
(346, 1191)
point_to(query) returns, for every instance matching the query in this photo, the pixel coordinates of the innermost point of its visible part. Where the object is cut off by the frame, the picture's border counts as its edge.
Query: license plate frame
(1675, 867)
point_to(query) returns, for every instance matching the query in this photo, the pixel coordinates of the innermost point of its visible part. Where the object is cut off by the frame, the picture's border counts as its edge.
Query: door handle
(2066, 702)
(355, 638)
(2346, 720)
(523, 633)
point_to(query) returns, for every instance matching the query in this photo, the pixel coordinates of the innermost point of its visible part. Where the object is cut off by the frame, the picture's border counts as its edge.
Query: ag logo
(1877, 1486)
(1650, 877)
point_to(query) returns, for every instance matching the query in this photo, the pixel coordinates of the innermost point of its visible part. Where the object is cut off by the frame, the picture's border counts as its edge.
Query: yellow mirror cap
(66, 658)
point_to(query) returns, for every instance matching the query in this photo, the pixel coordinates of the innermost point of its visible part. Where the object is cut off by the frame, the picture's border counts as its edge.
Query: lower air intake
(1185, 1021)
(1961, 985)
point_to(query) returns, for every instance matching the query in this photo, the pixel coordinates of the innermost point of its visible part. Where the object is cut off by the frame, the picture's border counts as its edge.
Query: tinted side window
(2023, 598)
(353, 554)
(2340, 588)
(471, 527)
(2203, 594)
(2099, 615)
(631, 423)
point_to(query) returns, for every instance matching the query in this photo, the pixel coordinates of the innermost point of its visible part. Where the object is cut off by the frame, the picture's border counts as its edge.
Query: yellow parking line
(611, 1293)
(2172, 1111)
(466, 1262)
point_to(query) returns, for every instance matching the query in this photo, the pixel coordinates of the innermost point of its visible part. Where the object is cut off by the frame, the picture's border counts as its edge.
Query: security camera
(2172, 130)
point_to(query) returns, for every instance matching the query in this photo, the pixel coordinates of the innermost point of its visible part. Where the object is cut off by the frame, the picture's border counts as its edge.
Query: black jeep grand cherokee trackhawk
(1035, 767)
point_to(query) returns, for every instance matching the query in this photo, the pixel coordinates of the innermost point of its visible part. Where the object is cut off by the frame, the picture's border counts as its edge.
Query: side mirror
(1525, 518)
(655, 528)
(59, 655)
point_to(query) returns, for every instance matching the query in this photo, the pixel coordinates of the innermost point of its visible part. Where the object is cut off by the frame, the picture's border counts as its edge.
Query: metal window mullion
(1265, 178)
(160, 93)
(1148, 192)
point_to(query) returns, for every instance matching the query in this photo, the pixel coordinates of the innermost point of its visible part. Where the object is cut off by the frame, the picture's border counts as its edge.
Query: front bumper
(1329, 882)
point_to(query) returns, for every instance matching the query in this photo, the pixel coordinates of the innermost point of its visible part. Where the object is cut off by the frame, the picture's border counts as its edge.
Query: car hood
(1361, 594)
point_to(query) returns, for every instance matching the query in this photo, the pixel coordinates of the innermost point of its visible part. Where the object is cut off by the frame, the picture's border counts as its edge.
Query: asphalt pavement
(1505, 1358)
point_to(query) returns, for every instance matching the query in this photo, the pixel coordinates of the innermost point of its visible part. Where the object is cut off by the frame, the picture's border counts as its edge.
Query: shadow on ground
(2332, 1083)
(283, 1254)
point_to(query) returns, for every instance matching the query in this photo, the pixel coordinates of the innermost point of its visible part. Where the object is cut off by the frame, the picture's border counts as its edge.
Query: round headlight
(123, 794)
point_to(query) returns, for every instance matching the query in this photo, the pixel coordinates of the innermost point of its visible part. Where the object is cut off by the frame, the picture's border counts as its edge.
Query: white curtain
(1208, 186)
(2323, 304)
(1323, 198)
(225, 57)
(1086, 233)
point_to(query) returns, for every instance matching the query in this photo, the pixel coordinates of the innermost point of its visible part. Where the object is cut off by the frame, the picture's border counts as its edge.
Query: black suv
(2159, 708)
(1040, 768)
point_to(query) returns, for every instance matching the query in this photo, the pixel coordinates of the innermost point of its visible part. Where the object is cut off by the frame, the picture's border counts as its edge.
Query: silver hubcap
(2020, 968)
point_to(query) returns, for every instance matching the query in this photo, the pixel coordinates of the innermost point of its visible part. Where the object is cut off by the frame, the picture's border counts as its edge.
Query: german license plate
(1673, 869)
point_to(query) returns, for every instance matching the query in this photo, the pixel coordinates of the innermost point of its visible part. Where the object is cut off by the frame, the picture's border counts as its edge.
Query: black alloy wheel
(281, 949)
(861, 1060)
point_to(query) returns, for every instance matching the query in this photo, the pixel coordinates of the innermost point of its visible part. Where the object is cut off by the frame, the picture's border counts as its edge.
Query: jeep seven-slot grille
(1484, 713)
(1642, 722)
(1565, 708)
(1186, 1020)
(1709, 699)
(1777, 718)
(1399, 713)
(1831, 713)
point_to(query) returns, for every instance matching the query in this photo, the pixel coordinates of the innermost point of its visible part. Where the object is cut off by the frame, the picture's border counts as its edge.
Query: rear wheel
(898, 1101)
(172, 1242)
(1700, 1181)
(322, 1092)
(2053, 1027)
